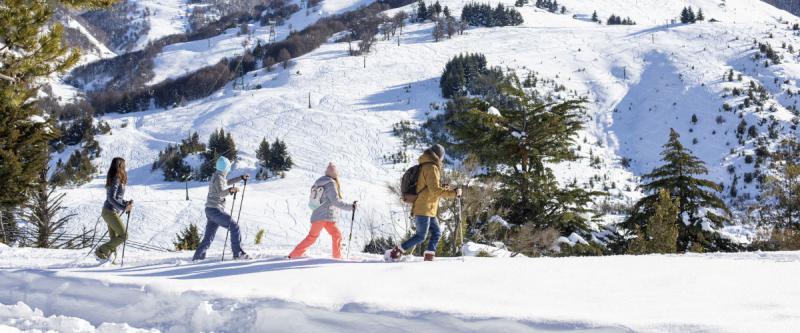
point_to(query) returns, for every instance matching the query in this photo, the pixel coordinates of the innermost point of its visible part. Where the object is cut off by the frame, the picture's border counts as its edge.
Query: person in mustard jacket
(426, 206)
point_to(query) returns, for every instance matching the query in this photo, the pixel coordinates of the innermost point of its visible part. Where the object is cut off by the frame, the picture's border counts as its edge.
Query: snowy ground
(746, 292)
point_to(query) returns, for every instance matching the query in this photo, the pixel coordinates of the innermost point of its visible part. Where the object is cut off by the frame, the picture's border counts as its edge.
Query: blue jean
(217, 218)
(424, 224)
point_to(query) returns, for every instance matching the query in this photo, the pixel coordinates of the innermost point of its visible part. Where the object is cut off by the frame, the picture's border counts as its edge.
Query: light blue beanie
(223, 164)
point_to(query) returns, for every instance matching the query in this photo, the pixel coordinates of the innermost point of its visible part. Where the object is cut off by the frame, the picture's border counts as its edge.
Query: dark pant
(217, 218)
(116, 234)
(424, 224)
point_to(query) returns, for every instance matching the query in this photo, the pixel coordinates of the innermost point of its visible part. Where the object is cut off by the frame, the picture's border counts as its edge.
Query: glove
(245, 177)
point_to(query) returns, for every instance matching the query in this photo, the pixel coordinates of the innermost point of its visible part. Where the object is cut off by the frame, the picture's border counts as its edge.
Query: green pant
(116, 233)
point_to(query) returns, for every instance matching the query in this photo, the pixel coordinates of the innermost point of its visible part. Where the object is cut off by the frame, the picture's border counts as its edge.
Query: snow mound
(497, 250)
(21, 318)
(571, 240)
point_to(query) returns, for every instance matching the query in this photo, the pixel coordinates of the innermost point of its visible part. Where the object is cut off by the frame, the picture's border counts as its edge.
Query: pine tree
(32, 49)
(700, 16)
(78, 170)
(188, 239)
(264, 157)
(461, 73)
(698, 203)
(422, 11)
(685, 18)
(46, 226)
(219, 144)
(280, 160)
(175, 168)
(437, 9)
(594, 17)
(192, 145)
(660, 234)
(518, 146)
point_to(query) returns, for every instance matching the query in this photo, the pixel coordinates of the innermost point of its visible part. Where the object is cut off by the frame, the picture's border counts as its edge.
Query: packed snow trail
(745, 292)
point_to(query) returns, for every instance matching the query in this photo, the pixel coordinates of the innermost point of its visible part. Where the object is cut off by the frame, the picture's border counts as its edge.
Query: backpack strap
(420, 174)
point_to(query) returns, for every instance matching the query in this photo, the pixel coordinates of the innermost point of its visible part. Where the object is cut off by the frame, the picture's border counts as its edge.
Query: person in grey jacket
(326, 199)
(218, 189)
(116, 181)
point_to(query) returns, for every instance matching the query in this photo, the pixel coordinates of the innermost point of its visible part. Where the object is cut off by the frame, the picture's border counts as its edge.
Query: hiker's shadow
(215, 270)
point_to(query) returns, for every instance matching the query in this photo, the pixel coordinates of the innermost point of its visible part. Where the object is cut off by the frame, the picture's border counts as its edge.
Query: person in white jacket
(218, 189)
(326, 195)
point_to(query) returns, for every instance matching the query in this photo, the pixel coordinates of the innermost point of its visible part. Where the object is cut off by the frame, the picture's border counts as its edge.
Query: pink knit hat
(331, 171)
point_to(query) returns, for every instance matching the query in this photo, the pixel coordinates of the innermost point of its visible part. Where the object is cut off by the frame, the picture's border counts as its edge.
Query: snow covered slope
(748, 292)
(167, 17)
(182, 58)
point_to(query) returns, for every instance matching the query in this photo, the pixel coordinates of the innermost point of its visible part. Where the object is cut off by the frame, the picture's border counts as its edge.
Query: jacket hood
(429, 157)
(322, 181)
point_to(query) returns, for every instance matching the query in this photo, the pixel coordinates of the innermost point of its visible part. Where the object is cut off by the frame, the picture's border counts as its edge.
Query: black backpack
(408, 184)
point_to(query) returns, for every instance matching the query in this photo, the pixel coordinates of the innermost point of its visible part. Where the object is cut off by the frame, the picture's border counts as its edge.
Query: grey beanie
(438, 150)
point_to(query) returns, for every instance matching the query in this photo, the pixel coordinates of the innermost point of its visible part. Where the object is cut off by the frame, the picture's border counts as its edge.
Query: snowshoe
(106, 261)
(101, 261)
(393, 255)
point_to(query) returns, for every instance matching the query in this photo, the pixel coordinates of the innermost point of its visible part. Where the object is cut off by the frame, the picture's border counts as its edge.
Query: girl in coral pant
(325, 199)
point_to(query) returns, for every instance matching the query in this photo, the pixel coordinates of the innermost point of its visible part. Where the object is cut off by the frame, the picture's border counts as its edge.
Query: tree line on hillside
(446, 25)
(618, 20)
(548, 5)
(689, 16)
(273, 160)
(483, 15)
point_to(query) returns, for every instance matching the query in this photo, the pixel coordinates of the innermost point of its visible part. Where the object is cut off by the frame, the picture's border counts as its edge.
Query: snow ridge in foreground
(742, 292)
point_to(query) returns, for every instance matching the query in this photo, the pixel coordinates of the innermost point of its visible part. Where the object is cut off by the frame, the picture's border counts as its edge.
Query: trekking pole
(241, 203)
(127, 220)
(460, 228)
(224, 245)
(350, 238)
